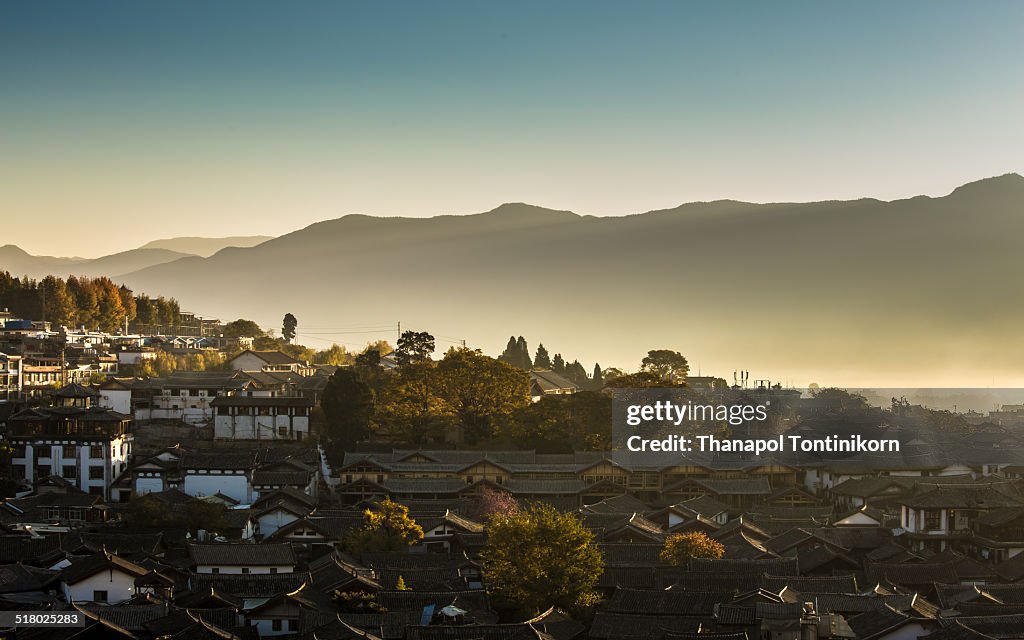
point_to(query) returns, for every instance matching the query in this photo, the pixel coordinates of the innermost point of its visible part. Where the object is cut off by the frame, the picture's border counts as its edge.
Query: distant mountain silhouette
(19, 263)
(204, 246)
(911, 292)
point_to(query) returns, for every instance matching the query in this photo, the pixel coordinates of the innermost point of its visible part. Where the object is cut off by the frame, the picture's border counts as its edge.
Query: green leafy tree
(288, 326)
(335, 355)
(357, 602)
(388, 528)
(482, 392)
(348, 404)
(414, 346)
(639, 380)
(540, 557)
(562, 424)
(681, 547)
(242, 328)
(671, 366)
(542, 360)
(411, 404)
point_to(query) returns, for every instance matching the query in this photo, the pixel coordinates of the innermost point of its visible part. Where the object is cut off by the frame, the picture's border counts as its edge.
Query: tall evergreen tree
(597, 380)
(542, 360)
(508, 356)
(288, 327)
(558, 364)
(523, 360)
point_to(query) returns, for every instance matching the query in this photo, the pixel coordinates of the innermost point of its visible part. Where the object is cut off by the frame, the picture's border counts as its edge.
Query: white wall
(271, 522)
(118, 585)
(119, 400)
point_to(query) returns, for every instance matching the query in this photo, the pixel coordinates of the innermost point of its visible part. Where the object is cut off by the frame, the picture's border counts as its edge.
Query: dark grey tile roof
(242, 554)
(253, 585)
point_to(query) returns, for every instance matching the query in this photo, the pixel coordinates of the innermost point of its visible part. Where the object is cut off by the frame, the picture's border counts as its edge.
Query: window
(469, 479)
(293, 625)
(95, 473)
(282, 431)
(99, 595)
(932, 520)
(69, 473)
(70, 451)
(273, 569)
(275, 625)
(96, 451)
(245, 569)
(380, 478)
(348, 478)
(215, 570)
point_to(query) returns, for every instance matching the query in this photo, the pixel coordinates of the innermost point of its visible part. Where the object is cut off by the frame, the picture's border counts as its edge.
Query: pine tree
(542, 360)
(510, 352)
(558, 364)
(597, 380)
(523, 360)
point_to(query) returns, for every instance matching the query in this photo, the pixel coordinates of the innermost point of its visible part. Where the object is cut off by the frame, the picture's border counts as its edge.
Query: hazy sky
(126, 121)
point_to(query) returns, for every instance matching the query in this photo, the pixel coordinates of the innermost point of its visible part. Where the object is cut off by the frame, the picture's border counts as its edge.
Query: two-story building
(85, 444)
(243, 417)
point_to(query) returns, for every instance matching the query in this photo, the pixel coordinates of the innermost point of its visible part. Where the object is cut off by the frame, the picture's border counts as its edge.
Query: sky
(122, 122)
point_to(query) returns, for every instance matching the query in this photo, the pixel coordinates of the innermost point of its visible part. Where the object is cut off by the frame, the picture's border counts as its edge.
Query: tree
(357, 602)
(562, 424)
(414, 346)
(488, 503)
(597, 380)
(541, 360)
(575, 372)
(389, 528)
(348, 404)
(640, 380)
(400, 584)
(540, 557)
(671, 366)
(411, 404)
(558, 364)
(335, 355)
(288, 326)
(242, 328)
(523, 360)
(481, 391)
(681, 547)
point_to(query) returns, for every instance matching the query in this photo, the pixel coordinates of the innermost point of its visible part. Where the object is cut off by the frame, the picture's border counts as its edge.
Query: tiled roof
(674, 603)
(472, 601)
(776, 566)
(550, 381)
(271, 357)
(913, 574)
(961, 498)
(16, 578)
(625, 626)
(424, 485)
(252, 555)
(625, 504)
(88, 566)
(809, 584)
(252, 585)
(280, 478)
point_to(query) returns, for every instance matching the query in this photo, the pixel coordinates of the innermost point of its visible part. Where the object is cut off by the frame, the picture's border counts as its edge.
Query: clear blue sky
(127, 121)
